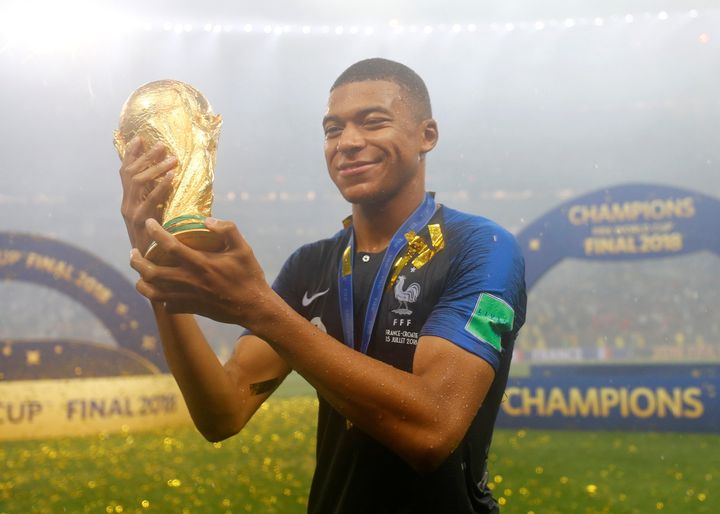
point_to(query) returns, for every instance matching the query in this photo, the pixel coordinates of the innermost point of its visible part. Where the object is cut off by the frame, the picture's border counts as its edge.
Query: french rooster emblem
(409, 295)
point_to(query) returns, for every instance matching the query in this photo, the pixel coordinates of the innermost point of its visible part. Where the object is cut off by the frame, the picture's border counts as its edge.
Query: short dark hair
(377, 68)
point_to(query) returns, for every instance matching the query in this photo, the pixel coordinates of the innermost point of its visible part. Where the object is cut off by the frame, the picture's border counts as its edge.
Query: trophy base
(195, 237)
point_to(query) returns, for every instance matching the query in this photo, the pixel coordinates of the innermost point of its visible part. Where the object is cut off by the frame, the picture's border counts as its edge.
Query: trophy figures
(180, 117)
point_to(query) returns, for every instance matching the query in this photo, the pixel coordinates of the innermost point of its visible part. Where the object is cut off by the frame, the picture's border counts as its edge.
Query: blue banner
(628, 222)
(636, 221)
(86, 279)
(663, 398)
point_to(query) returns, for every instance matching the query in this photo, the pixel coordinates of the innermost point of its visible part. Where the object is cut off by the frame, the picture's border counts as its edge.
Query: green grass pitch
(267, 469)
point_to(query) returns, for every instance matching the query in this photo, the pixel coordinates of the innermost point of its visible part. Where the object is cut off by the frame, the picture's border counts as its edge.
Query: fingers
(169, 244)
(176, 302)
(138, 155)
(144, 267)
(133, 150)
(137, 160)
(157, 170)
(228, 230)
(157, 282)
(157, 197)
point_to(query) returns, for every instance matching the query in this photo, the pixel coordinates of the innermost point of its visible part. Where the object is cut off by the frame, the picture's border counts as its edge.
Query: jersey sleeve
(483, 303)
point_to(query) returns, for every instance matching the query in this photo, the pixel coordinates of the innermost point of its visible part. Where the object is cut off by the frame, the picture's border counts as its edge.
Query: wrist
(141, 243)
(263, 317)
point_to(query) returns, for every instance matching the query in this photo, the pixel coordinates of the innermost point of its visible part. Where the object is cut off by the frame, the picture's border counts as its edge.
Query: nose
(350, 140)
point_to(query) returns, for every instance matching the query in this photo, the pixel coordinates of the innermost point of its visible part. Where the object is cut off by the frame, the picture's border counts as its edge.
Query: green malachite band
(188, 226)
(184, 217)
(490, 318)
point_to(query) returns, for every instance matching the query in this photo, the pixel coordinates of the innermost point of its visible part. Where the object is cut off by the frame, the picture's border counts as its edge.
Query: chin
(363, 195)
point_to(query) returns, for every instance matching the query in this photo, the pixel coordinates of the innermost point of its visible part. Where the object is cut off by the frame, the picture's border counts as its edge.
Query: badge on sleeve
(491, 317)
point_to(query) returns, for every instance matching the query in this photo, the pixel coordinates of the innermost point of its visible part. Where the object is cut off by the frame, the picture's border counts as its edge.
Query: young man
(404, 322)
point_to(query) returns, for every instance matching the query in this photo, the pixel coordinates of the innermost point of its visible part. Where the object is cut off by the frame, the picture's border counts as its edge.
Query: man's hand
(226, 286)
(146, 181)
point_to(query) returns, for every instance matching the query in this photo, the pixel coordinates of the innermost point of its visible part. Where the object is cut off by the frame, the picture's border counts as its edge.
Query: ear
(429, 135)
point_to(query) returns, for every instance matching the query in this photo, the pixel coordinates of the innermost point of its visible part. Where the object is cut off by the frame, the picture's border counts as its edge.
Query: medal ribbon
(414, 223)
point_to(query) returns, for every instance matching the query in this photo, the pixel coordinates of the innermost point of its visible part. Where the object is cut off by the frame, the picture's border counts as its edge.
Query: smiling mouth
(355, 168)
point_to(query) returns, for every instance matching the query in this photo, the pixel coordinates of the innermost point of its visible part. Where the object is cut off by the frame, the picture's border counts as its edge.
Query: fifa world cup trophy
(180, 117)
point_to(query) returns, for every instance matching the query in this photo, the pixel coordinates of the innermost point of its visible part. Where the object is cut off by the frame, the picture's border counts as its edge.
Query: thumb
(228, 232)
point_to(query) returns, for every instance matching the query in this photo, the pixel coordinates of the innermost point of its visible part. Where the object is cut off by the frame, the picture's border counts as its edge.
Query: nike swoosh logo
(308, 300)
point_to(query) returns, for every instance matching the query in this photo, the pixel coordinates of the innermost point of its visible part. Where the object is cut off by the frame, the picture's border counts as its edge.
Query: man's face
(374, 141)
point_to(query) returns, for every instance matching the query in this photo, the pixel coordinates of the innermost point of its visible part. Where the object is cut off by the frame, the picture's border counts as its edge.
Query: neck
(375, 224)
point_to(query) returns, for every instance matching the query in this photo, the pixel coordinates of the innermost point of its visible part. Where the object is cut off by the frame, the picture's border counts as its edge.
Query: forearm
(211, 394)
(407, 412)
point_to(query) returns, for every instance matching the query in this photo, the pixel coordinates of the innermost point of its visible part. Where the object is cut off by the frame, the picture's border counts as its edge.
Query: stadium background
(537, 104)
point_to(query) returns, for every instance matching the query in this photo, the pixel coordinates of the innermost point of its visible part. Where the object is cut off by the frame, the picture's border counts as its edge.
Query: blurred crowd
(657, 311)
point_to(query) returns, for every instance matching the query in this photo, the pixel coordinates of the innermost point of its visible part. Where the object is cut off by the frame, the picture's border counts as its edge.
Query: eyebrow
(360, 114)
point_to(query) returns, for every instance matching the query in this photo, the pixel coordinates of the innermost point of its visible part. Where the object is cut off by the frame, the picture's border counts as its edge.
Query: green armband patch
(490, 318)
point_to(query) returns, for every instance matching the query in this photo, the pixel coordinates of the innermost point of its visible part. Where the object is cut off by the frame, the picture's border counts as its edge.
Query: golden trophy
(180, 117)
